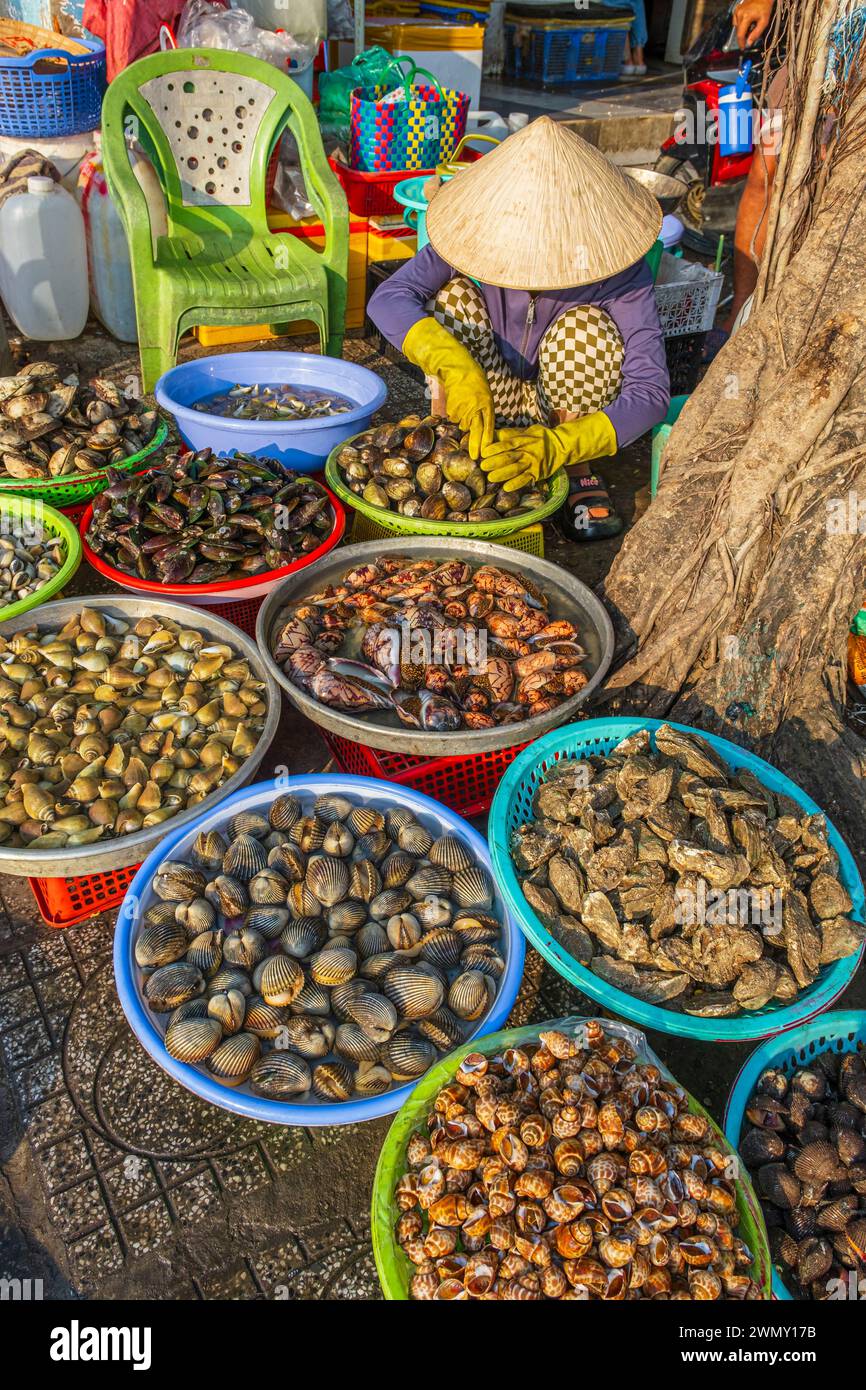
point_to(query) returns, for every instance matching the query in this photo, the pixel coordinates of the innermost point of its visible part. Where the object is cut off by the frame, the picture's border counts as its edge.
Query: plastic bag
(204, 25)
(341, 20)
(369, 69)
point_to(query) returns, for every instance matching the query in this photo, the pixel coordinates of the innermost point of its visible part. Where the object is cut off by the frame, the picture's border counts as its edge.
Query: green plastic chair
(209, 120)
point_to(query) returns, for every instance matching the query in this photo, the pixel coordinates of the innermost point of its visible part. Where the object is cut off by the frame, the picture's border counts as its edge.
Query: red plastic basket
(243, 613)
(64, 902)
(467, 784)
(372, 195)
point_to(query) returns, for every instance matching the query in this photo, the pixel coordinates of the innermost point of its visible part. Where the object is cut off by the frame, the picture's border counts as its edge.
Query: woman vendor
(533, 307)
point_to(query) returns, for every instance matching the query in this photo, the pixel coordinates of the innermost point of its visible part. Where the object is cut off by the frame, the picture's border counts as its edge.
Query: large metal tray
(568, 595)
(131, 849)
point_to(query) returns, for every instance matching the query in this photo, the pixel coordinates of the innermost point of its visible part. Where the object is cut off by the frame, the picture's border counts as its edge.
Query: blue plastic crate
(556, 55)
(39, 105)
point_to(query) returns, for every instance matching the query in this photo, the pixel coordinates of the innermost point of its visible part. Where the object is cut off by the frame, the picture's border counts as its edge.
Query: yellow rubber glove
(522, 456)
(467, 393)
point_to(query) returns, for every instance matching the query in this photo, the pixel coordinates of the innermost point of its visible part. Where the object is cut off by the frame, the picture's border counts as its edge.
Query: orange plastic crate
(467, 784)
(63, 902)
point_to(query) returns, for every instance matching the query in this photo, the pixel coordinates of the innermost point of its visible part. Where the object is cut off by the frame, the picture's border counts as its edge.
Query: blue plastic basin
(300, 444)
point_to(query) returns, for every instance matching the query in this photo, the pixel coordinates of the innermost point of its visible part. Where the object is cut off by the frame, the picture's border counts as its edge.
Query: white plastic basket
(687, 296)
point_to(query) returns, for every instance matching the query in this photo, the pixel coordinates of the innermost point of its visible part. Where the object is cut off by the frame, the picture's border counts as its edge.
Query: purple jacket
(628, 297)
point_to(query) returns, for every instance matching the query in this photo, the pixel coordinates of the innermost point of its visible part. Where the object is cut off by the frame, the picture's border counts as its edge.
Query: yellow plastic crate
(530, 539)
(389, 239)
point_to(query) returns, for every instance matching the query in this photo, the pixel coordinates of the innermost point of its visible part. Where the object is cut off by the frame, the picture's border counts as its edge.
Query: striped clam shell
(331, 808)
(308, 833)
(371, 1078)
(172, 985)
(346, 916)
(404, 931)
(434, 911)
(371, 940)
(196, 915)
(192, 1039)
(343, 995)
(442, 1029)
(248, 823)
(442, 948)
(450, 853)
(313, 999)
(468, 995)
(193, 1008)
(475, 928)
(473, 888)
(328, 879)
(407, 1056)
(235, 1058)
(280, 1075)
(244, 858)
(339, 840)
(396, 868)
(429, 879)
(206, 951)
(281, 980)
(363, 819)
(208, 849)
(288, 860)
(413, 992)
(374, 845)
(303, 936)
(375, 1015)
(230, 977)
(335, 965)
(178, 882)
(284, 812)
(160, 944)
(302, 902)
(365, 881)
(264, 1019)
(352, 1043)
(229, 1008)
(228, 895)
(414, 839)
(484, 958)
(244, 947)
(269, 921)
(268, 887)
(387, 904)
(311, 1037)
(158, 913)
(332, 1081)
(376, 967)
(397, 818)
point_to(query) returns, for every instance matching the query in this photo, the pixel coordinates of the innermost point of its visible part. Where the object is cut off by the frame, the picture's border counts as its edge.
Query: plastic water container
(735, 119)
(110, 273)
(43, 262)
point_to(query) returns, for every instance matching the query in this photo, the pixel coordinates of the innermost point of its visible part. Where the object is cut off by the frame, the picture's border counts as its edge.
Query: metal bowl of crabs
(111, 742)
(417, 613)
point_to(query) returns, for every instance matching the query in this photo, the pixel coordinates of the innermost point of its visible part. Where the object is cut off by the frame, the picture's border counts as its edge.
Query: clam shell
(230, 977)
(375, 1015)
(177, 882)
(160, 944)
(328, 879)
(228, 895)
(235, 1058)
(288, 860)
(397, 818)
(414, 839)
(373, 845)
(335, 965)
(228, 1008)
(284, 812)
(339, 840)
(442, 1029)
(371, 1078)
(302, 902)
(208, 849)
(434, 912)
(172, 985)
(365, 881)
(390, 902)
(346, 916)
(371, 940)
(244, 858)
(248, 823)
(468, 995)
(244, 948)
(332, 1081)
(158, 913)
(269, 921)
(484, 958)
(268, 887)
(313, 999)
(312, 1037)
(363, 819)
(263, 1019)
(303, 936)
(308, 833)
(406, 1056)
(413, 993)
(281, 980)
(397, 868)
(818, 1162)
(404, 931)
(442, 947)
(192, 1039)
(280, 1075)
(450, 853)
(197, 915)
(352, 1043)
(193, 1008)
(342, 996)
(206, 951)
(429, 880)
(331, 808)
(473, 888)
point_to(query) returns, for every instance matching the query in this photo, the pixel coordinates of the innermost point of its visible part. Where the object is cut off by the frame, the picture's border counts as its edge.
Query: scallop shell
(371, 1078)
(263, 1019)
(365, 881)
(442, 947)
(352, 1043)
(429, 879)
(414, 839)
(192, 1039)
(288, 860)
(244, 948)
(229, 1008)
(331, 808)
(346, 916)
(387, 904)
(172, 985)
(473, 888)
(270, 921)
(450, 853)
(160, 944)
(327, 878)
(371, 940)
(303, 936)
(335, 965)
(339, 840)
(375, 1015)
(280, 1075)
(468, 995)
(413, 993)
(302, 902)
(208, 849)
(268, 887)
(313, 999)
(228, 895)
(177, 882)
(404, 931)
(332, 1081)
(342, 996)
(248, 823)
(442, 1029)
(244, 858)
(397, 868)
(235, 1058)
(363, 819)
(308, 833)
(197, 915)
(281, 980)
(206, 951)
(406, 1056)
(284, 812)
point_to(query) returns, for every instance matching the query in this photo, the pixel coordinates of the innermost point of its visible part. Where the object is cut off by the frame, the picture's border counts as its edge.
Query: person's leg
(751, 229)
(638, 35)
(459, 306)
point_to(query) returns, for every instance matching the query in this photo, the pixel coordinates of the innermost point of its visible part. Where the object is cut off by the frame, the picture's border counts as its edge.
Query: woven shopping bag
(413, 130)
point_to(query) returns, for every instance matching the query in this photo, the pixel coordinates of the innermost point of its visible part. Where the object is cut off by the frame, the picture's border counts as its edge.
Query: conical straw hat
(544, 211)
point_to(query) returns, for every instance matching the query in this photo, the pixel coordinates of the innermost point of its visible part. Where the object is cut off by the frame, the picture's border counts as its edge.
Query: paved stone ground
(117, 1183)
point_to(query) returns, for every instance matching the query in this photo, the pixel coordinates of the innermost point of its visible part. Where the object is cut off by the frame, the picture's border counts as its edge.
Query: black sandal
(589, 514)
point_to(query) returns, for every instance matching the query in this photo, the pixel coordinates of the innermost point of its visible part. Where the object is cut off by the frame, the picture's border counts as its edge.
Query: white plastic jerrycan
(43, 262)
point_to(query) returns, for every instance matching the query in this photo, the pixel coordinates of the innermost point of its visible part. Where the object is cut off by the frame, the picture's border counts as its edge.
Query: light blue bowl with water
(303, 445)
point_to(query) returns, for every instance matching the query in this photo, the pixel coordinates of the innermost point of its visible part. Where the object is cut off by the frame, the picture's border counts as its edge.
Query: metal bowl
(572, 598)
(667, 191)
(131, 849)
